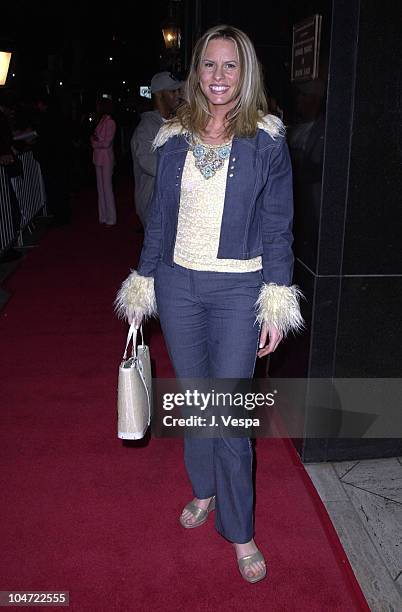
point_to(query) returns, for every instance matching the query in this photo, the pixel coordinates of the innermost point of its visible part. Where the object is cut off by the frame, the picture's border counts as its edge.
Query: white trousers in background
(106, 203)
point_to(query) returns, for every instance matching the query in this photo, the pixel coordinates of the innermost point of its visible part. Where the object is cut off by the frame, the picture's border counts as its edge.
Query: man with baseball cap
(165, 89)
(164, 81)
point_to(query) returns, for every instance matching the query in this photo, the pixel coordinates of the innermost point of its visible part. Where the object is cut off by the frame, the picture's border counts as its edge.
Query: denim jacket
(258, 208)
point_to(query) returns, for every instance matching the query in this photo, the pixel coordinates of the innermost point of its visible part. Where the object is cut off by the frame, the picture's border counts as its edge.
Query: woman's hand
(275, 337)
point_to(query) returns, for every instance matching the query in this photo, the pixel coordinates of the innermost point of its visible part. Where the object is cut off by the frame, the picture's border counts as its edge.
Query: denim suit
(208, 318)
(258, 209)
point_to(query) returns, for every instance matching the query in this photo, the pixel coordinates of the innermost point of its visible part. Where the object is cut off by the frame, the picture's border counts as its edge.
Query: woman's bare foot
(188, 517)
(242, 550)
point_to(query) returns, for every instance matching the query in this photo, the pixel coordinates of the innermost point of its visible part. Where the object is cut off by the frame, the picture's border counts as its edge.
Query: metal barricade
(30, 194)
(28, 188)
(7, 235)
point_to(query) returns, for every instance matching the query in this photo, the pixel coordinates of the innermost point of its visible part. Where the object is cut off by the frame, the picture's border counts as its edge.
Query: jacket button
(233, 159)
(230, 175)
(232, 167)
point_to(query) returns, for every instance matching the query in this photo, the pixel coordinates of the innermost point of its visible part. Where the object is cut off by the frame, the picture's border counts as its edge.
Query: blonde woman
(217, 258)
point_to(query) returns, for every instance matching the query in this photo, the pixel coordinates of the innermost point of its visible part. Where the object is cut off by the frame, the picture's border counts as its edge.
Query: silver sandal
(200, 514)
(246, 561)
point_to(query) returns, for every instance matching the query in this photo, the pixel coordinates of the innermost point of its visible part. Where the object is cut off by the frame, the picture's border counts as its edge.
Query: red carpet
(83, 512)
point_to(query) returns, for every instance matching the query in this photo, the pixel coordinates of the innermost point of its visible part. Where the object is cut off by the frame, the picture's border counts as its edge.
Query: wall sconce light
(171, 36)
(171, 29)
(5, 57)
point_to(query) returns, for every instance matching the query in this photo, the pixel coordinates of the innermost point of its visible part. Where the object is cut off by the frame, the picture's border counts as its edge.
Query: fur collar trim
(169, 129)
(271, 124)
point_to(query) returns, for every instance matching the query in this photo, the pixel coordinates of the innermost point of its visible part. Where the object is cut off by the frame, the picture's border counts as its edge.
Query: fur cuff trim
(279, 305)
(136, 297)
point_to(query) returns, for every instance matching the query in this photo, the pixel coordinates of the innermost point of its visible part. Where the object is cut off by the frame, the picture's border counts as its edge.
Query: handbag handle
(132, 335)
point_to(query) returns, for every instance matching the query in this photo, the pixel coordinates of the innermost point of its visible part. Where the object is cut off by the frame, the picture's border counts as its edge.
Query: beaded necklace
(209, 158)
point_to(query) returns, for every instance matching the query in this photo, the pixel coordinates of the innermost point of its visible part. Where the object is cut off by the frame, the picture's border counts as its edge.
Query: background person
(224, 174)
(103, 159)
(306, 137)
(165, 91)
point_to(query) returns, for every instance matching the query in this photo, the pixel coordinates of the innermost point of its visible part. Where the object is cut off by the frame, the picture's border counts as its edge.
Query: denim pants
(208, 320)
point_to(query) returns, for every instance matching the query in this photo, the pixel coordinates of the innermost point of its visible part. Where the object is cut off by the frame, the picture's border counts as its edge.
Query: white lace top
(199, 222)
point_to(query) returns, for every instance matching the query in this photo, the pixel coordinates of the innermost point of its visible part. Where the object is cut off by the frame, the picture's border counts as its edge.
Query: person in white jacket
(165, 91)
(103, 159)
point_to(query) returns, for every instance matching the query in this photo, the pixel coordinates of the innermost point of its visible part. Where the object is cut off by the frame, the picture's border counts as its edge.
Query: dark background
(72, 42)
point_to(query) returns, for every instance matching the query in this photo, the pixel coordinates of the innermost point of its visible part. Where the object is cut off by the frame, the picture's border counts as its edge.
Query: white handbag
(134, 401)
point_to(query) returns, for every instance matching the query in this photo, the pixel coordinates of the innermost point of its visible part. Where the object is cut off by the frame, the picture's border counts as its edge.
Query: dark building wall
(354, 284)
(371, 292)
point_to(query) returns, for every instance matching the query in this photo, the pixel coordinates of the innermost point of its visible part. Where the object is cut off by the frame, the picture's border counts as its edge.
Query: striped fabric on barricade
(6, 223)
(30, 194)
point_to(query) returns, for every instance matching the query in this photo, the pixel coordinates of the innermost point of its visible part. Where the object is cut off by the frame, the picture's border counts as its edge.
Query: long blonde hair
(242, 119)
